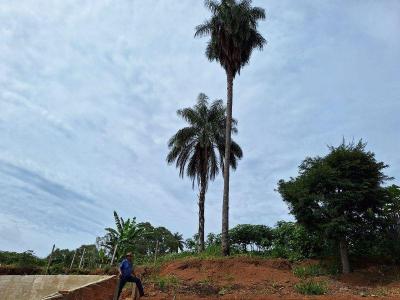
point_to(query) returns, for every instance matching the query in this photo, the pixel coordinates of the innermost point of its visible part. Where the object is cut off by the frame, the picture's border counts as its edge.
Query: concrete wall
(68, 287)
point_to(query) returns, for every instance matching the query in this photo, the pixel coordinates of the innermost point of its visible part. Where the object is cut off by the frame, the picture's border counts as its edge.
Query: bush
(294, 242)
(309, 270)
(165, 282)
(310, 287)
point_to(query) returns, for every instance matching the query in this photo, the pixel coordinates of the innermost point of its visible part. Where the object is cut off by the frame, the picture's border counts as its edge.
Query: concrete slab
(35, 287)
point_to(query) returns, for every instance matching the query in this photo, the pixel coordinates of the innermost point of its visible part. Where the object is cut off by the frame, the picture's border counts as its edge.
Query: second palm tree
(198, 149)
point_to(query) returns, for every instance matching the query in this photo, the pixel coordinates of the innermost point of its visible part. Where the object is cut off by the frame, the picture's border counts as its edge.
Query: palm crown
(199, 148)
(233, 31)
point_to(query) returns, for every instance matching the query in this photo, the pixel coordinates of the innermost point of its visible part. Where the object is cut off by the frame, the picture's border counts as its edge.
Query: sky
(89, 92)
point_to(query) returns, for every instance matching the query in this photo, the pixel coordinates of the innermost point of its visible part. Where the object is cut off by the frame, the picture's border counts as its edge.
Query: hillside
(257, 278)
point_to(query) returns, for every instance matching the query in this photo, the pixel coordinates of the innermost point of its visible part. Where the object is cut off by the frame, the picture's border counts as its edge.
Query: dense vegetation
(340, 196)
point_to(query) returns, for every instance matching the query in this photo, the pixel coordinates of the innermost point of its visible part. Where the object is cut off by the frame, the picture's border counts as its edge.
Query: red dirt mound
(256, 278)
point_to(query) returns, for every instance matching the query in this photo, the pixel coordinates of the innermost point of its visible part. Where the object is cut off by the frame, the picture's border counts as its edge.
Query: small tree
(178, 242)
(122, 239)
(339, 195)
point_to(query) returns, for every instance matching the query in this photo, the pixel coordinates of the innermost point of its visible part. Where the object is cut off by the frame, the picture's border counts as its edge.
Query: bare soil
(256, 278)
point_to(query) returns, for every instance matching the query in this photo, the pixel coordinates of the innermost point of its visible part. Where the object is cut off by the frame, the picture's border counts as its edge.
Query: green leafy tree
(255, 236)
(191, 244)
(178, 242)
(392, 211)
(160, 240)
(24, 259)
(199, 148)
(213, 239)
(121, 239)
(292, 240)
(233, 37)
(339, 195)
(146, 241)
(165, 239)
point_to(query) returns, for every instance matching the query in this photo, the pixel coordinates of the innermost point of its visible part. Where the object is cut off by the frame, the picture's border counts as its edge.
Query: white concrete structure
(35, 287)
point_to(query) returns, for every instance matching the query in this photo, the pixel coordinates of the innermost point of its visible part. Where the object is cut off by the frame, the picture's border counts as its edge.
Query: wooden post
(83, 254)
(73, 259)
(50, 258)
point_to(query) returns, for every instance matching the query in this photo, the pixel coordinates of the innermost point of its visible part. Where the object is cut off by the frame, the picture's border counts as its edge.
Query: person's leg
(120, 286)
(138, 284)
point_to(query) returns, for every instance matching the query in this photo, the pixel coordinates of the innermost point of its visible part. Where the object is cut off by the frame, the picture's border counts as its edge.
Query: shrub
(310, 287)
(165, 282)
(309, 270)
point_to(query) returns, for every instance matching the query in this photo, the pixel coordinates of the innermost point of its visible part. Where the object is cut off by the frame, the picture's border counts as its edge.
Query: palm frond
(233, 33)
(203, 29)
(117, 221)
(198, 149)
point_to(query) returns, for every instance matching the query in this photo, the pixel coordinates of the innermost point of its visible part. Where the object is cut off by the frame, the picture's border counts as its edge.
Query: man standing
(125, 275)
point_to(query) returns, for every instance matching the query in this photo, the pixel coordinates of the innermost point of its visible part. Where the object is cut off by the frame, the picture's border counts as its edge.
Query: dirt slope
(255, 278)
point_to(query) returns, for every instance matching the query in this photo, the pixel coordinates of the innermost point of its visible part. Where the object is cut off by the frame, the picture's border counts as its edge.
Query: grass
(165, 282)
(310, 287)
(309, 270)
(380, 292)
(225, 290)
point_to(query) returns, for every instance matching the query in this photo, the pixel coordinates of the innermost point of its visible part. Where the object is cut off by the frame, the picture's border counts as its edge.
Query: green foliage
(309, 270)
(160, 239)
(198, 149)
(233, 33)
(256, 236)
(212, 251)
(191, 244)
(164, 283)
(25, 259)
(143, 239)
(339, 195)
(291, 240)
(122, 237)
(310, 287)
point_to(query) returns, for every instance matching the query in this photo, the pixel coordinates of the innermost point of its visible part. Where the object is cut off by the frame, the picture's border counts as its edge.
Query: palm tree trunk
(344, 256)
(202, 200)
(201, 217)
(225, 202)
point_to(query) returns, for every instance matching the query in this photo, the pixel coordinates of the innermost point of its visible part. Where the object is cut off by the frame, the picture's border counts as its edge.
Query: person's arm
(120, 269)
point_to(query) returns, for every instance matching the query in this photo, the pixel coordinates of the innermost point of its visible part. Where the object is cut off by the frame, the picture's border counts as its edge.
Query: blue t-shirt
(126, 268)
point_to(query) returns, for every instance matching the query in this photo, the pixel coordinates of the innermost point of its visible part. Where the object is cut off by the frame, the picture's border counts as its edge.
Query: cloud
(89, 91)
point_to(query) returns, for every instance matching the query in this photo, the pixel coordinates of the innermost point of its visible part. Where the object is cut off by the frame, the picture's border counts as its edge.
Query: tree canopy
(233, 33)
(340, 194)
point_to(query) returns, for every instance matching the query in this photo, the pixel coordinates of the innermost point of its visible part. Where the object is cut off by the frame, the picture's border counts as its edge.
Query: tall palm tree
(233, 37)
(121, 239)
(200, 148)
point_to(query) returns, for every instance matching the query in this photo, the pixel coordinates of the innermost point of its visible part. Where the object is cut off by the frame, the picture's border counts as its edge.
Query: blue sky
(89, 91)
